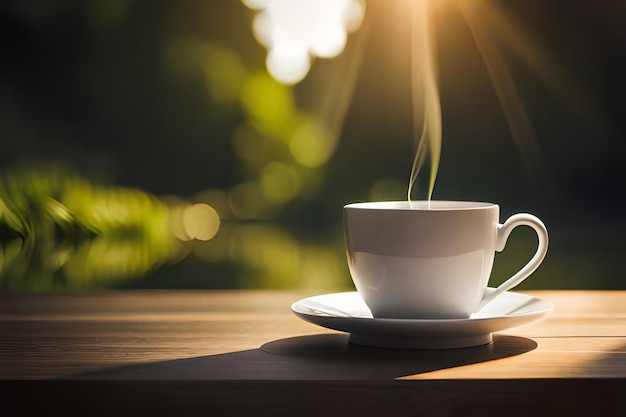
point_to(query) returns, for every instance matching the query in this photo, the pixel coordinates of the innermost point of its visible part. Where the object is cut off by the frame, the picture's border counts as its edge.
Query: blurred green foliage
(58, 231)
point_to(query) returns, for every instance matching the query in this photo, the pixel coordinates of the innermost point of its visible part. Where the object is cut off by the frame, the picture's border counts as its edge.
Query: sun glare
(295, 31)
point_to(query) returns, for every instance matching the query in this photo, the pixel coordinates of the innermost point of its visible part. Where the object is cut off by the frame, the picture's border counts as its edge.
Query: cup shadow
(331, 356)
(315, 357)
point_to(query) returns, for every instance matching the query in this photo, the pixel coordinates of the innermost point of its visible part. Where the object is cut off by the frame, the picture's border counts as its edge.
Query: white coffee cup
(430, 260)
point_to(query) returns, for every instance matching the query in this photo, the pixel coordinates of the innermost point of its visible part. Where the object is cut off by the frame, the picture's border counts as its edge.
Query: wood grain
(201, 351)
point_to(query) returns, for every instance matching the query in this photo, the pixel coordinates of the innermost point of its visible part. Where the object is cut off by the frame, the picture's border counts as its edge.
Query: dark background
(87, 85)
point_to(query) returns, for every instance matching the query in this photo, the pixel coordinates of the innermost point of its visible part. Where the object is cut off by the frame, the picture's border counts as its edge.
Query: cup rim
(422, 205)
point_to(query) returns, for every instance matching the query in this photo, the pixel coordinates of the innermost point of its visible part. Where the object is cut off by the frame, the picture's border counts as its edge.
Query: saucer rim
(547, 309)
(422, 333)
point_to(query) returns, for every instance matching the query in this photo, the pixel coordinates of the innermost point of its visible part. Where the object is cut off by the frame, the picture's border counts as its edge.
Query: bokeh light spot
(287, 64)
(279, 182)
(295, 30)
(200, 221)
(269, 104)
(311, 146)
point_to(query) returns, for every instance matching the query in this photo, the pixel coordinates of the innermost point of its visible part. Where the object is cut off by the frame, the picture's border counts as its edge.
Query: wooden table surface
(244, 352)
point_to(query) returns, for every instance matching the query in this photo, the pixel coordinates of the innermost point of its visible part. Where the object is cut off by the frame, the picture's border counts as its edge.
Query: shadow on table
(315, 376)
(316, 357)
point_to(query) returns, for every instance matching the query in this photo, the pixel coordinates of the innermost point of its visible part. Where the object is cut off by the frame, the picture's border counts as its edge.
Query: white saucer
(347, 312)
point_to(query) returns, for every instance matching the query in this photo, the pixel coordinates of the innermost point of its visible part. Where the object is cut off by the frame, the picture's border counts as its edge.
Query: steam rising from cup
(424, 96)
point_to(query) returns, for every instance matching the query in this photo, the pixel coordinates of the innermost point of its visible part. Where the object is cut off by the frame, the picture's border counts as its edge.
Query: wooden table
(244, 353)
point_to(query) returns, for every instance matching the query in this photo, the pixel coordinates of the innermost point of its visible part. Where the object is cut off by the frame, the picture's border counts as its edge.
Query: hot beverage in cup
(430, 260)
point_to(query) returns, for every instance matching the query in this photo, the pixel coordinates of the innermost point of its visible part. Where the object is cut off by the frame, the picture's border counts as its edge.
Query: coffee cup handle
(502, 234)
